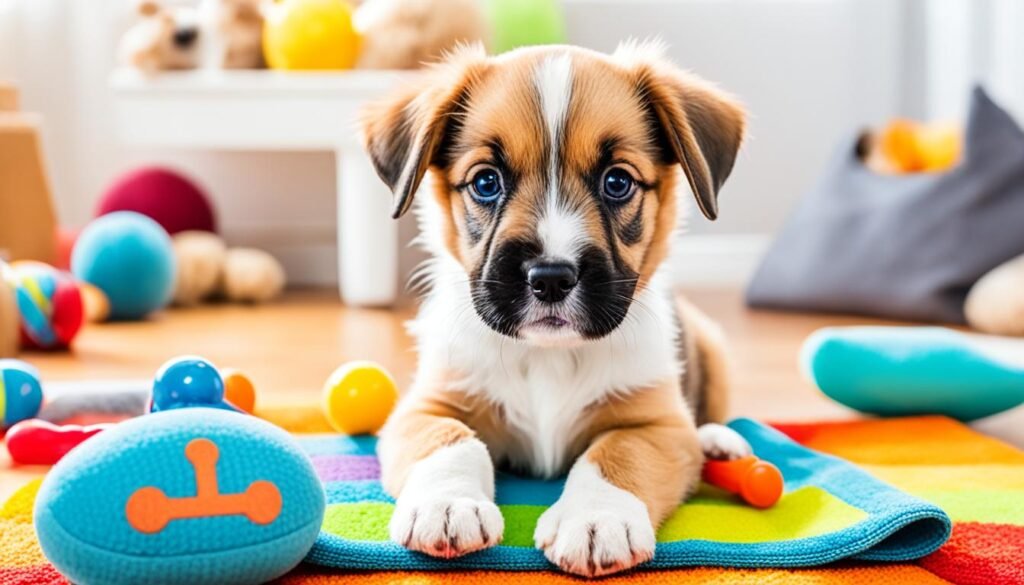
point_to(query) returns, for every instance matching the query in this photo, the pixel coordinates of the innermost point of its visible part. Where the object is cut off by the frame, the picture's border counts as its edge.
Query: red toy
(37, 442)
(758, 482)
(167, 197)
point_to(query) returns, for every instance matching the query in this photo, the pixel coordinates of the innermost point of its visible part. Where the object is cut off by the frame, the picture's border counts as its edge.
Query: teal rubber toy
(904, 371)
(193, 496)
(20, 392)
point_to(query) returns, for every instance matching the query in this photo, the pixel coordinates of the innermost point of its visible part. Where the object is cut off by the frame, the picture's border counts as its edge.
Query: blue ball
(130, 258)
(188, 381)
(103, 513)
(20, 392)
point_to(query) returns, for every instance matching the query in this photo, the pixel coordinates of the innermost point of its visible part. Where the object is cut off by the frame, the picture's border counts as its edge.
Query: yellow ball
(310, 34)
(358, 397)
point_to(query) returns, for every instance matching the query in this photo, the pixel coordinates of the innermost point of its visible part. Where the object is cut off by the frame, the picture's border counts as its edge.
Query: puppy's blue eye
(486, 186)
(618, 185)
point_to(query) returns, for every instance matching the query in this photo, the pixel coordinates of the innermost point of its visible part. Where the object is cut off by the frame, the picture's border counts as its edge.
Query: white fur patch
(721, 442)
(446, 508)
(543, 391)
(561, 231)
(595, 528)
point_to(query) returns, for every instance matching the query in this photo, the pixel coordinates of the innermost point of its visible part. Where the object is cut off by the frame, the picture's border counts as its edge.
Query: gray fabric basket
(902, 246)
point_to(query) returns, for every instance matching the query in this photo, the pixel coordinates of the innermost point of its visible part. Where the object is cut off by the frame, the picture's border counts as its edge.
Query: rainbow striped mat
(977, 481)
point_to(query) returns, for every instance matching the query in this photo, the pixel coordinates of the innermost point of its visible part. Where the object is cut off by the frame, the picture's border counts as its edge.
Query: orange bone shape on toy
(149, 509)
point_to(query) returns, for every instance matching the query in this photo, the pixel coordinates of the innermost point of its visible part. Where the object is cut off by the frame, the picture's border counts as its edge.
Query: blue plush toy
(130, 258)
(894, 371)
(193, 496)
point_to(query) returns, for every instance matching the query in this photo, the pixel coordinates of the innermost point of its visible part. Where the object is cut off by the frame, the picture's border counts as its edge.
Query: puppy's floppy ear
(404, 134)
(702, 125)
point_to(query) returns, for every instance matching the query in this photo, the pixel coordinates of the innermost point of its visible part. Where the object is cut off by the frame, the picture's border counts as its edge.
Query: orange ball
(238, 389)
(359, 397)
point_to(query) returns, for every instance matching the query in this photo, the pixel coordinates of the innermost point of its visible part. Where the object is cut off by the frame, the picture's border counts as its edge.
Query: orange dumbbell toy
(358, 397)
(755, 480)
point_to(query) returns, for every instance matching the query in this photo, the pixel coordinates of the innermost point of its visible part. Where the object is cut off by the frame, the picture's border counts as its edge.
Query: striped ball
(50, 305)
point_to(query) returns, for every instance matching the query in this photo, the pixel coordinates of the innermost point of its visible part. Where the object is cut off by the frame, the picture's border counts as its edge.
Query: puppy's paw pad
(446, 527)
(594, 540)
(721, 442)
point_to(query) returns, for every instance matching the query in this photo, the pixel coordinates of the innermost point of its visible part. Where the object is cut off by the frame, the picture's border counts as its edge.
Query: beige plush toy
(405, 34)
(208, 269)
(163, 38)
(995, 303)
(234, 33)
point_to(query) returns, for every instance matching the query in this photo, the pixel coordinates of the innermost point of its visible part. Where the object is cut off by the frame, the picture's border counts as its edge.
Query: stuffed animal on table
(406, 34)
(234, 33)
(163, 38)
(906, 371)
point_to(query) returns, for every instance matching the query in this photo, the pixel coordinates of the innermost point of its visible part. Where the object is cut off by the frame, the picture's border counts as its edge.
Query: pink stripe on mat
(346, 467)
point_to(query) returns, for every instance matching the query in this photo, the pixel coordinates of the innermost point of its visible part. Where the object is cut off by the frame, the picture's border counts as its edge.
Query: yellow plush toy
(310, 34)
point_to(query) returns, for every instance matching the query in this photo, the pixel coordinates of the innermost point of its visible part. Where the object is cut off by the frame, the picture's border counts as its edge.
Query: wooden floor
(289, 348)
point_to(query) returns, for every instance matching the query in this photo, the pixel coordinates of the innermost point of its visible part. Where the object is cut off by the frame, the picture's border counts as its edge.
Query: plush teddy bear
(234, 33)
(207, 268)
(405, 34)
(995, 303)
(163, 38)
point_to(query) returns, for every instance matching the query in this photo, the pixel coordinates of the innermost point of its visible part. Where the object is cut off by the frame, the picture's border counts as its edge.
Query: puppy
(550, 340)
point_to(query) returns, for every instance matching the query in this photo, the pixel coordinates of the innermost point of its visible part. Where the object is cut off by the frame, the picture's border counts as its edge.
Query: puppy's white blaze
(560, 230)
(562, 233)
(553, 79)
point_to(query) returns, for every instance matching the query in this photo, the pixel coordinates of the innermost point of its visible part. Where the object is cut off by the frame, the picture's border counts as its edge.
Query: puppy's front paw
(721, 442)
(606, 532)
(446, 527)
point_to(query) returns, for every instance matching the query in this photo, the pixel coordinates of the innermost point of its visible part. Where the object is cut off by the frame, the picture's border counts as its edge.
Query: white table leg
(367, 236)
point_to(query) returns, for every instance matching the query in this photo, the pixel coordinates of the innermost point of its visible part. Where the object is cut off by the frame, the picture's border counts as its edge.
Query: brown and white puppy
(550, 339)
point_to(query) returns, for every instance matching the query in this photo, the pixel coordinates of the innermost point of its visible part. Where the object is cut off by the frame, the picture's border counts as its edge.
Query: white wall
(809, 71)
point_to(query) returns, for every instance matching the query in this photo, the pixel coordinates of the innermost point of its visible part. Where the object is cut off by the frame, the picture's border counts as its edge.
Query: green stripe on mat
(802, 513)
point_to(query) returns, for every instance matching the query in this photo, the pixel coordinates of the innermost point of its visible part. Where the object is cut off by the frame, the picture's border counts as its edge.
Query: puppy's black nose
(551, 282)
(185, 36)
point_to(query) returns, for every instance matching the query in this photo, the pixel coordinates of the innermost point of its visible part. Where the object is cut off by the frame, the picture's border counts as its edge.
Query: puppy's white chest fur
(542, 392)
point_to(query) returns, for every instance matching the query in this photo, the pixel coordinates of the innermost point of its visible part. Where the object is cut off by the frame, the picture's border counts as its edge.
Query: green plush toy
(519, 23)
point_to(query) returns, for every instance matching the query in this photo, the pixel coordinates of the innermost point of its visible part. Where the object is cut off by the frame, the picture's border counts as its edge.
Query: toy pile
(913, 222)
(329, 34)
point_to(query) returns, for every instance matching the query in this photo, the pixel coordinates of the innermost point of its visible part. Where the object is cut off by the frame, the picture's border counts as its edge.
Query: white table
(264, 110)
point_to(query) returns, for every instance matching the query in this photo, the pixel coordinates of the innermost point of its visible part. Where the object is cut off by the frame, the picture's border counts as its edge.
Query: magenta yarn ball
(167, 197)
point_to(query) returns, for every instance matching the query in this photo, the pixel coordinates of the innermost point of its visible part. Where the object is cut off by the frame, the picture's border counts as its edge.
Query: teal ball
(130, 258)
(104, 513)
(20, 392)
